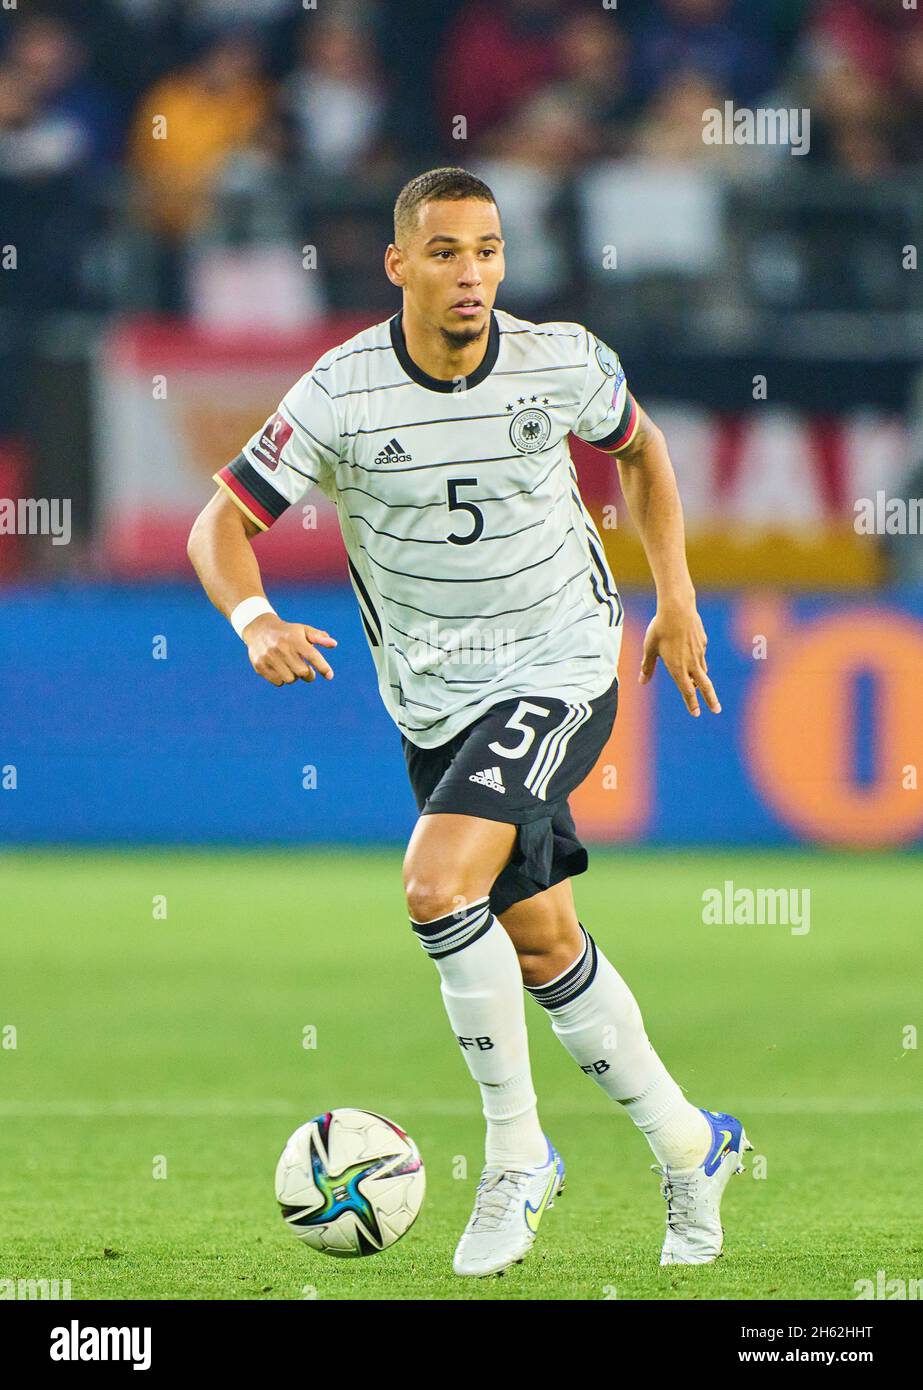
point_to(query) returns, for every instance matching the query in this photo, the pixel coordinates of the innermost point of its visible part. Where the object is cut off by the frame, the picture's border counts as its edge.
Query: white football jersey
(478, 571)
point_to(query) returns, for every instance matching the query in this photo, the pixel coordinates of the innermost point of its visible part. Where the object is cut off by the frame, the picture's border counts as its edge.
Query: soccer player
(494, 625)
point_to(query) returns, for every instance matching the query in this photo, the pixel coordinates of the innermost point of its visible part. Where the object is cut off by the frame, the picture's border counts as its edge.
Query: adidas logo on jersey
(490, 777)
(393, 452)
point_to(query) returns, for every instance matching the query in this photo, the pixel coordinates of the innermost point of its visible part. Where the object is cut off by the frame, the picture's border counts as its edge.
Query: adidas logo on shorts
(490, 777)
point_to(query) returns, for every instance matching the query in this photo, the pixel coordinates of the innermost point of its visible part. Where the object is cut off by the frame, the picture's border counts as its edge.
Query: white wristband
(247, 610)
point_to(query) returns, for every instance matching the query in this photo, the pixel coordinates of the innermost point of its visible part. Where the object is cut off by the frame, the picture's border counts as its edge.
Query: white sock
(597, 1018)
(482, 992)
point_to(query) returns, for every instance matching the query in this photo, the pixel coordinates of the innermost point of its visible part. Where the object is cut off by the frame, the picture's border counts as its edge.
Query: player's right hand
(283, 653)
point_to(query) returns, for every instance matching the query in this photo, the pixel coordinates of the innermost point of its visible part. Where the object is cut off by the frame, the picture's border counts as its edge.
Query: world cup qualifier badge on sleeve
(276, 434)
(610, 364)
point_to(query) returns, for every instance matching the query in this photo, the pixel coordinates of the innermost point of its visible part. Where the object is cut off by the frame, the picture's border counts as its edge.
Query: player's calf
(482, 992)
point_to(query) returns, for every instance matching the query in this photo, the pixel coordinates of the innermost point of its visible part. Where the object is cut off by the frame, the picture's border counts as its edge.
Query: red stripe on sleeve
(249, 501)
(627, 432)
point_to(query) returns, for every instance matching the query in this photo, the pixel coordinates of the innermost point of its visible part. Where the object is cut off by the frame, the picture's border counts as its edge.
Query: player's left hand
(677, 636)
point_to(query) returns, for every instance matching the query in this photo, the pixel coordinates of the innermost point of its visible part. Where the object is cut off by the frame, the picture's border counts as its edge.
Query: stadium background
(167, 291)
(158, 296)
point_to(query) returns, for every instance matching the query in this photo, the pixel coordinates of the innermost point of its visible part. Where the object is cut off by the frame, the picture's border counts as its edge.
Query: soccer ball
(350, 1182)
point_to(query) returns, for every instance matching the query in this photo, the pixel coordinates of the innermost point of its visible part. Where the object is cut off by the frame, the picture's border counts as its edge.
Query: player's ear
(394, 264)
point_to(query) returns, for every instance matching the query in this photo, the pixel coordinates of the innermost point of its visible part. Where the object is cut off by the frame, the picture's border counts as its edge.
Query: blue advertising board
(133, 716)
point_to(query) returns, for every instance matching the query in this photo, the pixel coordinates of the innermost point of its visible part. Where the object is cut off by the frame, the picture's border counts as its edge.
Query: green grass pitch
(145, 1041)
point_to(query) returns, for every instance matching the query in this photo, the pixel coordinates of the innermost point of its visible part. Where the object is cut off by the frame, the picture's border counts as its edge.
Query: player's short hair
(436, 185)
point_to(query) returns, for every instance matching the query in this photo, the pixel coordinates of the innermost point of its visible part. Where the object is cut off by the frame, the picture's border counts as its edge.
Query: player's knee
(432, 895)
(440, 881)
(422, 896)
(424, 888)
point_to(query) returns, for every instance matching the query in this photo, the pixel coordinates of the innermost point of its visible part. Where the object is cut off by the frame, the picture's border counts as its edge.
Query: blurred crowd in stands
(131, 130)
(345, 84)
(349, 86)
(168, 108)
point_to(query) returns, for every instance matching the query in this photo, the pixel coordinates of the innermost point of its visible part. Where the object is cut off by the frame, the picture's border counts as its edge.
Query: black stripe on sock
(446, 935)
(578, 978)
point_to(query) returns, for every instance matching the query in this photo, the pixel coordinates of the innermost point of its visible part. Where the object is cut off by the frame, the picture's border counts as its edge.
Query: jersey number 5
(454, 505)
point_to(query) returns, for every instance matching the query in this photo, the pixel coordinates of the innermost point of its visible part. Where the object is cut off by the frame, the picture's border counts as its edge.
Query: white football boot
(508, 1207)
(694, 1232)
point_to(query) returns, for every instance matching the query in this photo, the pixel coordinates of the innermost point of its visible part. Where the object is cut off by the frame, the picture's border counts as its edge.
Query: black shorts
(519, 763)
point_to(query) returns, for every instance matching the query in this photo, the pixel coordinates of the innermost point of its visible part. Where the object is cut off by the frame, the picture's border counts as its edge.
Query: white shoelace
(677, 1194)
(496, 1194)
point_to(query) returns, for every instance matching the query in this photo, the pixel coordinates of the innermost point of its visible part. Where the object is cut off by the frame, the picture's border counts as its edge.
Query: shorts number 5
(520, 749)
